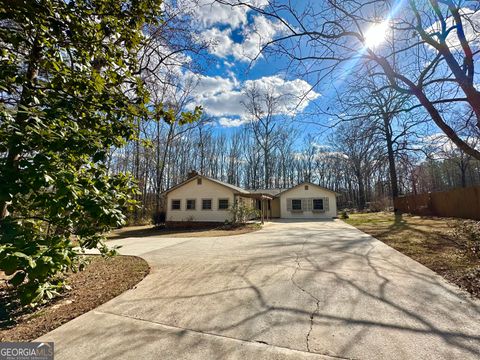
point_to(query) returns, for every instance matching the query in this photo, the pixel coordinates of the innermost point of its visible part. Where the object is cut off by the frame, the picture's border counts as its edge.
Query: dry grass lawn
(427, 240)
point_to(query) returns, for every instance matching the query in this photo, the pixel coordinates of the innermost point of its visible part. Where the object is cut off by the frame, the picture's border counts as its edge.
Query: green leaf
(18, 278)
(48, 178)
(73, 111)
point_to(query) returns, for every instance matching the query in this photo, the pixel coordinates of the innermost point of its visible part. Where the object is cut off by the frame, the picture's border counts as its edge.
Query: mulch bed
(101, 280)
(145, 231)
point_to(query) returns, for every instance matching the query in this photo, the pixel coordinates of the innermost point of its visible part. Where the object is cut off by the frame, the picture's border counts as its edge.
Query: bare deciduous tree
(262, 106)
(429, 50)
(361, 146)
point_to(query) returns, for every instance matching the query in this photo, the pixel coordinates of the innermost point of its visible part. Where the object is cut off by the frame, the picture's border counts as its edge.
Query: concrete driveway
(293, 290)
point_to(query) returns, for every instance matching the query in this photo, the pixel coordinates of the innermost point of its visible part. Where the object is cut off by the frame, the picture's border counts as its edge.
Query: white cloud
(224, 104)
(320, 147)
(323, 154)
(254, 38)
(471, 28)
(209, 12)
(229, 122)
(220, 41)
(255, 34)
(206, 86)
(215, 23)
(439, 145)
(224, 97)
(295, 95)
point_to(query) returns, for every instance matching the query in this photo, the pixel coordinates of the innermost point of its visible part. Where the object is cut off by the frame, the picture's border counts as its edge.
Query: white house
(202, 199)
(307, 200)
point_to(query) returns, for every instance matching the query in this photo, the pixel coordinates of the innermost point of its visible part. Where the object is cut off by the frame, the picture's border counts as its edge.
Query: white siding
(206, 190)
(313, 192)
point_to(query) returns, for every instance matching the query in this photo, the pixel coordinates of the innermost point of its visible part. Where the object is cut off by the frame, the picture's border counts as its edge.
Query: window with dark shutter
(191, 204)
(317, 204)
(296, 204)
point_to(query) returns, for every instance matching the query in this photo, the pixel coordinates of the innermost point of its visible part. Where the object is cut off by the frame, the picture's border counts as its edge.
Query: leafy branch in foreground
(68, 94)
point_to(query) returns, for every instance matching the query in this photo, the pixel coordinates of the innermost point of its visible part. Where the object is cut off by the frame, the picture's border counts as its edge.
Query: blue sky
(237, 35)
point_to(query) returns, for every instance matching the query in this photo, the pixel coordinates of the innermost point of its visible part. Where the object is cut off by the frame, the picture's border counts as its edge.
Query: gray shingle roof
(272, 192)
(233, 187)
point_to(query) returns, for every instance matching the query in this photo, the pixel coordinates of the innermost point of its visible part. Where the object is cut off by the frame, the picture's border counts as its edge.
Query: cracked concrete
(317, 301)
(292, 290)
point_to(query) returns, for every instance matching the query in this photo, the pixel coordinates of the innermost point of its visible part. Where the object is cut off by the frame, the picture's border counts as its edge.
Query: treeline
(444, 174)
(162, 157)
(395, 128)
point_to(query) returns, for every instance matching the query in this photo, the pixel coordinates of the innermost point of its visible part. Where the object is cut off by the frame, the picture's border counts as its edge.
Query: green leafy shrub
(344, 214)
(242, 213)
(69, 97)
(159, 218)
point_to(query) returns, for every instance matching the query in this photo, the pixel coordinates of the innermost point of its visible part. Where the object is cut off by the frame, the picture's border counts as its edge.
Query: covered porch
(261, 202)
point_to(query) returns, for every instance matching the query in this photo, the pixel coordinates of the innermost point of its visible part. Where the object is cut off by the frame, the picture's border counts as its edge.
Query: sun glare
(376, 34)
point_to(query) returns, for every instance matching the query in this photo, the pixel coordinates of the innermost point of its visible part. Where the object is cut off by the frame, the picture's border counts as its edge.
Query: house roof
(307, 183)
(233, 187)
(230, 186)
(269, 192)
(258, 196)
(272, 192)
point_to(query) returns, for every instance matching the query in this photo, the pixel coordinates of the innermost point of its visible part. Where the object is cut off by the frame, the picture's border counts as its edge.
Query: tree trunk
(361, 191)
(14, 151)
(391, 158)
(463, 172)
(161, 166)
(265, 168)
(137, 169)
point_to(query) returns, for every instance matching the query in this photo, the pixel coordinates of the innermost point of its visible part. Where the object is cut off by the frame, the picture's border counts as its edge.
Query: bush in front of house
(159, 217)
(241, 213)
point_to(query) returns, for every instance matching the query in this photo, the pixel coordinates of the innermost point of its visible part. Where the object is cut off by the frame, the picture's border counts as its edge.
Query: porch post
(269, 207)
(234, 218)
(261, 209)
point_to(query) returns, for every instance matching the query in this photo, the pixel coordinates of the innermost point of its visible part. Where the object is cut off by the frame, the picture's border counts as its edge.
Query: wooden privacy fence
(462, 203)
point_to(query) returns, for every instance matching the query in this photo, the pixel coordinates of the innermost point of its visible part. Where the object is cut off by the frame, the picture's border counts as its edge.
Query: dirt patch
(101, 280)
(152, 231)
(429, 241)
